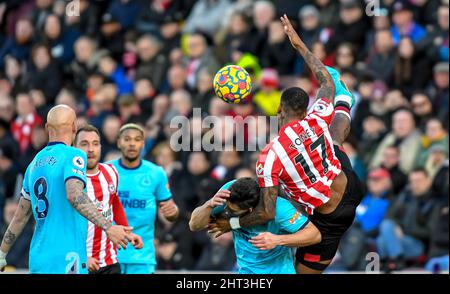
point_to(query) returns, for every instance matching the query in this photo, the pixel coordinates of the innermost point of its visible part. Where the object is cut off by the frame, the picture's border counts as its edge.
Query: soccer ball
(232, 84)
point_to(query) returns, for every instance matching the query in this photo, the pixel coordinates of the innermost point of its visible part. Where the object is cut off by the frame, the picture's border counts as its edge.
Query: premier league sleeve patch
(78, 161)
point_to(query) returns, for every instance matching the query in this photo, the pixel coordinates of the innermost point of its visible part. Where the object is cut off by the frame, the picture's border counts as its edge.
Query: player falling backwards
(306, 159)
(102, 185)
(54, 191)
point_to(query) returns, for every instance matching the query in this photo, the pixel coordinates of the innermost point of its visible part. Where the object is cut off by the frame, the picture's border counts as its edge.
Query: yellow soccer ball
(232, 84)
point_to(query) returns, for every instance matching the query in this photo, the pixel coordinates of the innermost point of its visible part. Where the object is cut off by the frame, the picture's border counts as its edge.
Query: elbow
(193, 226)
(266, 215)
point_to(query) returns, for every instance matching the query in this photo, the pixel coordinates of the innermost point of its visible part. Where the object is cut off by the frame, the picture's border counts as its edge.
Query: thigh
(412, 247)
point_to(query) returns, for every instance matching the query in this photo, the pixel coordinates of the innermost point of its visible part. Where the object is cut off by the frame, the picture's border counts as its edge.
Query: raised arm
(15, 228)
(81, 202)
(327, 88)
(201, 216)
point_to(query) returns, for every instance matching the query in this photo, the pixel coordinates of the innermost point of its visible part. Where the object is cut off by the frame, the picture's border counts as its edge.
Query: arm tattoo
(9, 238)
(340, 128)
(327, 87)
(265, 210)
(81, 202)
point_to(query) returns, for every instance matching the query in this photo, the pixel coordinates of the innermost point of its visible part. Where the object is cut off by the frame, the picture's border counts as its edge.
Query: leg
(312, 268)
(412, 247)
(392, 241)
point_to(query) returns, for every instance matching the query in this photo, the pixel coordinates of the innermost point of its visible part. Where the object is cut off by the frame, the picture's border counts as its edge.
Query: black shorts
(332, 226)
(107, 270)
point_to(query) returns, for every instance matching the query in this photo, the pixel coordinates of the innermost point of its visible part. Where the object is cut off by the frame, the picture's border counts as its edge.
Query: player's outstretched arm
(307, 236)
(201, 216)
(79, 200)
(327, 88)
(15, 228)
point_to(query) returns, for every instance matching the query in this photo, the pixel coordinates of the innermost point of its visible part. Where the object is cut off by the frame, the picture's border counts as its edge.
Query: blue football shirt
(58, 245)
(140, 191)
(279, 260)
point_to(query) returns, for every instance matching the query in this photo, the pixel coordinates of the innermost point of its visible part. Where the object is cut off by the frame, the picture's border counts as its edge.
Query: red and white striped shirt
(102, 190)
(301, 158)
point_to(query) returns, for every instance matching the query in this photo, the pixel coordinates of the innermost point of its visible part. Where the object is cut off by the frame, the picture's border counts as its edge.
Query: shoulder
(76, 156)
(269, 147)
(283, 205)
(152, 167)
(114, 163)
(108, 167)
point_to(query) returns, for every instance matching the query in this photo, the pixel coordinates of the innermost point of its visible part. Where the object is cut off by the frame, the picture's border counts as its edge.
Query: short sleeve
(288, 217)
(75, 166)
(25, 192)
(268, 168)
(322, 109)
(162, 189)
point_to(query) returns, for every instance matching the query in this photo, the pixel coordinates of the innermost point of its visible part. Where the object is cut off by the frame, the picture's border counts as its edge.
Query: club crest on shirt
(78, 161)
(145, 181)
(111, 188)
(259, 169)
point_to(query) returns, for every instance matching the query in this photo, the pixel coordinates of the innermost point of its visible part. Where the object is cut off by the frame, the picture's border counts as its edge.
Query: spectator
(391, 160)
(205, 90)
(152, 64)
(174, 244)
(435, 43)
(60, 39)
(145, 92)
(44, 74)
(9, 154)
(25, 121)
(404, 24)
(13, 73)
(437, 167)
(206, 16)
(268, 97)
(369, 215)
(111, 69)
(438, 91)
(110, 132)
(405, 136)
(358, 166)
(435, 135)
(438, 256)
(229, 162)
(382, 63)
(19, 46)
(199, 57)
(352, 26)
(406, 230)
(309, 17)
(407, 63)
(217, 255)
(422, 108)
(38, 141)
(329, 12)
(263, 15)
(278, 53)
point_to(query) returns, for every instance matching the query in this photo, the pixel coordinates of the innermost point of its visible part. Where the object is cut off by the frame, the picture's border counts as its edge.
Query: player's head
(87, 139)
(293, 105)
(131, 141)
(61, 123)
(244, 197)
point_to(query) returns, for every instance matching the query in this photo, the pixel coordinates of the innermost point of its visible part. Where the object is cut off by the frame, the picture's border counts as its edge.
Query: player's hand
(219, 227)
(118, 235)
(136, 241)
(93, 264)
(290, 32)
(2, 261)
(219, 199)
(168, 209)
(265, 241)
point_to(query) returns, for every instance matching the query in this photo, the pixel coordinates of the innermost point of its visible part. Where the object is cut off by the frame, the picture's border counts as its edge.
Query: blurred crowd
(148, 61)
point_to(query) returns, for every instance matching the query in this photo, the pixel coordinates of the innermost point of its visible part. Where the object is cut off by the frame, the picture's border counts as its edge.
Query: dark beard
(131, 159)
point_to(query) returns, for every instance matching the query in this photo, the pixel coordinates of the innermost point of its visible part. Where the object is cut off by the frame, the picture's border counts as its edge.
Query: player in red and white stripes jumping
(101, 188)
(307, 161)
